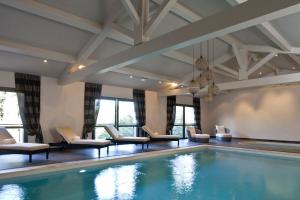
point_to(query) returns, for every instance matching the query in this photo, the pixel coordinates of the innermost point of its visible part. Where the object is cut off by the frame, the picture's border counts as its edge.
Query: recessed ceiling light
(181, 86)
(81, 66)
(143, 79)
(82, 171)
(174, 84)
(45, 61)
(130, 76)
(260, 73)
(160, 82)
(276, 55)
(293, 68)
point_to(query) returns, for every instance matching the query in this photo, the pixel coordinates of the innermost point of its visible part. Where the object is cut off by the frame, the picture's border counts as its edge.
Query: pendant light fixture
(193, 85)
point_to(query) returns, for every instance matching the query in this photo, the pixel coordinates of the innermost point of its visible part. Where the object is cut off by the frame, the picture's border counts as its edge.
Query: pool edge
(36, 170)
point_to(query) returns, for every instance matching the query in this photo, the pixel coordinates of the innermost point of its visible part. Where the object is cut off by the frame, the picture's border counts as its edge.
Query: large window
(10, 115)
(184, 118)
(117, 112)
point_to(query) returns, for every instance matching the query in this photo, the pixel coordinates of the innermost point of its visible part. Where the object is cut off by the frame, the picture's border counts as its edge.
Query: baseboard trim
(266, 140)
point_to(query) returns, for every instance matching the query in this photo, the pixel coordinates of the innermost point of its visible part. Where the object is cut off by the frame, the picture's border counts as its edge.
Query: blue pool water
(206, 174)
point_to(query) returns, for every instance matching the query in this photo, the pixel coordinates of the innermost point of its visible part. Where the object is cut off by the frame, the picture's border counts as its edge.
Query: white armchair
(223, 134)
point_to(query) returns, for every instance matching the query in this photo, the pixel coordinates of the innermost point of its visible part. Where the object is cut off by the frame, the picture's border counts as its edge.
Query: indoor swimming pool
(202, 174)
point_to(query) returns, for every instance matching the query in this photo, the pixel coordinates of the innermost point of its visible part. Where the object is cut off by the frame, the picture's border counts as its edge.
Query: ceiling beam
(231, 20)
(92, 44)
(116, 35)
(144, 74)
(49, 12)
(241, 57)
(162, 11)
(250, 83)
(54, 14)
(181, 57)
(122, 30)
(131, 11)
(265, 81)
(272, 33)
(268, 49)
(27, 50)
(260, 63)
(227, 69)
(191, 17)
(223, 73)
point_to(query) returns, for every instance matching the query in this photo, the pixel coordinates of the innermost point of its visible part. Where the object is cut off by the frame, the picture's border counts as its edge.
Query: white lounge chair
(72, 140)
(223, 133)
(155, 136)
(118, 139)
(8, 145)
(196, 137)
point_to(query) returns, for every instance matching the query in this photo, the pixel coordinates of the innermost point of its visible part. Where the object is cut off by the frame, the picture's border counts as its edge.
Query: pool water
(206, 174)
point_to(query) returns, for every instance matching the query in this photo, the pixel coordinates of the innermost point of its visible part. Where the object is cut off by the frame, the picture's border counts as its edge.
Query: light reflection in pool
(117, 182)
(11, 191)
(183, 170)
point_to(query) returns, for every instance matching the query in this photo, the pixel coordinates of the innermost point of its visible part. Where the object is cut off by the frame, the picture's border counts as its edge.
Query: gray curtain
(92, 92)
(171, 111)
(28, 92)
(140, 110)
(197, 112)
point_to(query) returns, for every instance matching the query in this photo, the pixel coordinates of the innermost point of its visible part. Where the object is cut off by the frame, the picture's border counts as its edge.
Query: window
(184, 118)
(117, 112)
(10, 115)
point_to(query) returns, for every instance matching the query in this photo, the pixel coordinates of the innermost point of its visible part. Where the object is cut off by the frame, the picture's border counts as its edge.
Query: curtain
(197, 112)
(28, 93)
(140, 110)
(92, 92)
(171, 111)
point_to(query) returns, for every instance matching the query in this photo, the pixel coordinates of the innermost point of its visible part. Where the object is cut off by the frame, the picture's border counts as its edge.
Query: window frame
(20, 127)
(184, 125)
(117, 108)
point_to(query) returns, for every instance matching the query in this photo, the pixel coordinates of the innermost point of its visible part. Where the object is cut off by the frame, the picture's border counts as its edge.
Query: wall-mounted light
(143, 79)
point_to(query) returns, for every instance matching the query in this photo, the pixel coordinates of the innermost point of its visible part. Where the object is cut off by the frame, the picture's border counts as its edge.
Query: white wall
(117, 92)
(156, 111)
(60, 106)
(262, 113)
(7, 79)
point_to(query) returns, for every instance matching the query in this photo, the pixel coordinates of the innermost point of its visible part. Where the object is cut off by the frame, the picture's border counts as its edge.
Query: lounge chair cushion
(133, 139)
(4, 134)
(192, 131)
(166, 137)
(8, 141)
(201, 136)
(223, 135)
(24, 146)
(112, 131)
(67, 133)
(150, 132)
(156, 135)
(220, 129)
(91, 142)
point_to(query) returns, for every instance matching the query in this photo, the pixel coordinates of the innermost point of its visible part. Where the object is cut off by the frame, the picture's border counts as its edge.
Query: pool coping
(56, 167)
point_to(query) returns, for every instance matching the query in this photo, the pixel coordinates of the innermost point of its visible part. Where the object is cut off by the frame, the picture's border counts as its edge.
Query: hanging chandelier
(206, 78)
(193, 87)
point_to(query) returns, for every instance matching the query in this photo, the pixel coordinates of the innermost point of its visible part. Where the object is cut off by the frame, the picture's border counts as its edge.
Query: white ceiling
(33, 30)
